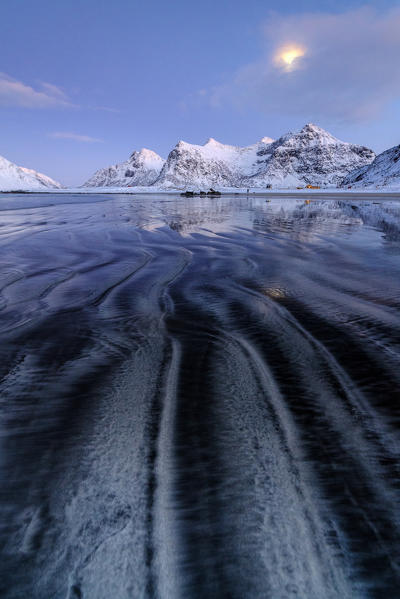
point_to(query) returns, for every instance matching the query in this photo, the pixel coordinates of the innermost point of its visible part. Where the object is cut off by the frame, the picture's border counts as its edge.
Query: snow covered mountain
(311, 156)
(383, 171)
(213, 164)
(16, 178)
(142, 168)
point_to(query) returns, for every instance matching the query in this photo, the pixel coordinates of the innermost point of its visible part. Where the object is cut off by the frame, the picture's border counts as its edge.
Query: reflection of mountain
(189, 214)
(383, 216)
(303, 221)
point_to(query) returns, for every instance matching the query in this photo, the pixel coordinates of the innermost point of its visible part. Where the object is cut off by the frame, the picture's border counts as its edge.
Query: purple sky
(84, 83)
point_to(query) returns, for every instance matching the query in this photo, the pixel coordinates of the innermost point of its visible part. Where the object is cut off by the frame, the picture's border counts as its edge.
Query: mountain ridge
(308, 156)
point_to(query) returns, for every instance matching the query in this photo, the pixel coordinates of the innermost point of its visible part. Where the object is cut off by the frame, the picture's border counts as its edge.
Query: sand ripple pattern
(199, 398)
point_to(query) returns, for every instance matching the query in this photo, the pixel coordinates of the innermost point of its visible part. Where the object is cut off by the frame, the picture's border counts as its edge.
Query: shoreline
(317, 194)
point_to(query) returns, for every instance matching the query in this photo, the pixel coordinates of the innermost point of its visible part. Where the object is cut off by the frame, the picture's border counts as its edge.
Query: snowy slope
(311, 156)
(383, 171)
(15, 178)
(213, 164)
(142, 168)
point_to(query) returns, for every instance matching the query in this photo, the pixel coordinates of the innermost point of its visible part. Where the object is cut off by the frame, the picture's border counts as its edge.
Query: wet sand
(199, 397)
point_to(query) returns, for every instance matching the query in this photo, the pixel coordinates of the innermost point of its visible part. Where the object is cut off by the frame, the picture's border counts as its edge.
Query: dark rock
(213, 192)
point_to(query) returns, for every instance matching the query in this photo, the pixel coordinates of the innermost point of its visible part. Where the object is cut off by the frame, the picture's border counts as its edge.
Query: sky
(83, 83)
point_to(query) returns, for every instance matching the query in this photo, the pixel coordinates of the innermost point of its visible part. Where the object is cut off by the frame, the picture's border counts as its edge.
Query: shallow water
(199, 397)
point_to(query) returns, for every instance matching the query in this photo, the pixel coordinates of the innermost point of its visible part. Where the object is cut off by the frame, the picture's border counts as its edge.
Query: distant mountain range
(310, 156)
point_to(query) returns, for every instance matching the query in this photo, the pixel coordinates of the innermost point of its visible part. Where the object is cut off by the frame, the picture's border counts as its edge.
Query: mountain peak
(311, 128)
(314, 134)
(144, 153)
(267, 140)
(212, 142)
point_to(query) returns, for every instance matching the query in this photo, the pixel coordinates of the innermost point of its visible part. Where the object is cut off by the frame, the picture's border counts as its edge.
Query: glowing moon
(286, 57)
(290, 56)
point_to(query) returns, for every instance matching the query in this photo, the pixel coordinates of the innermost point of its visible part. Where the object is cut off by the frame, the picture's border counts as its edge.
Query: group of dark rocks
(210, 192)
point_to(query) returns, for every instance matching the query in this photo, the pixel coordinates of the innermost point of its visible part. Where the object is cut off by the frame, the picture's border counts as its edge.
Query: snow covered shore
(225, 191)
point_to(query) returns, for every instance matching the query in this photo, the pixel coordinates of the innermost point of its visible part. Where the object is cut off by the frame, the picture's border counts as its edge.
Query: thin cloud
(348, 69)
(53, 91)
(15, 93)
(106, 109)
(75, 137)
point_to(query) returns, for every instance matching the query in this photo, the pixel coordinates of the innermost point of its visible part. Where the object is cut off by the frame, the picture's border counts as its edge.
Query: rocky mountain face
(141, 169)
(214, 164)
(311, 156)
(384, 171)
(18, 178)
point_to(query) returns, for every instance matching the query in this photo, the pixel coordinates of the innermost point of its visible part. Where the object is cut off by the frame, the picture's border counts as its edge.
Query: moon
(287, 56)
